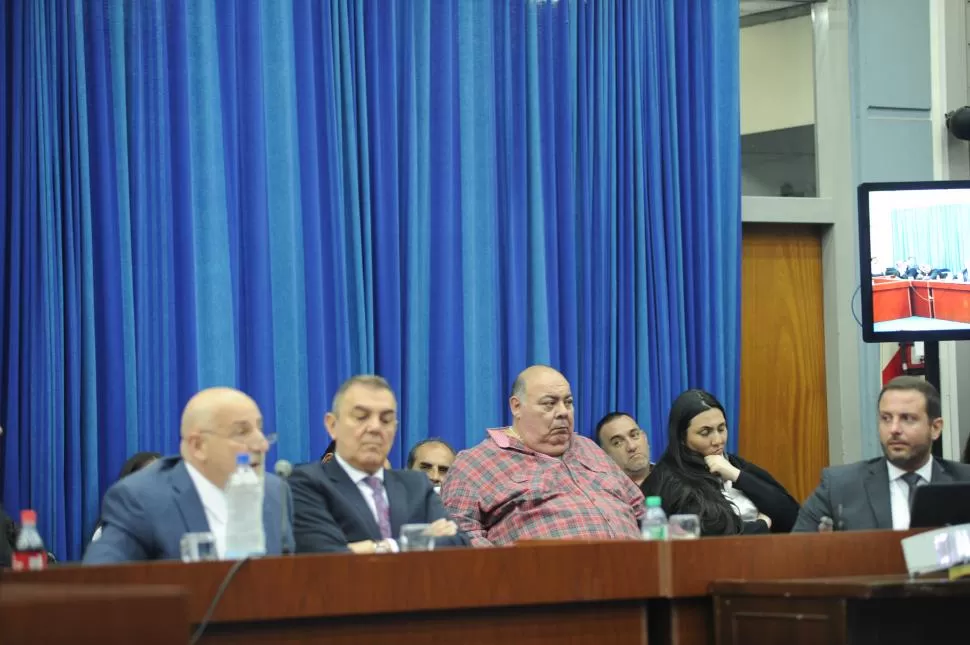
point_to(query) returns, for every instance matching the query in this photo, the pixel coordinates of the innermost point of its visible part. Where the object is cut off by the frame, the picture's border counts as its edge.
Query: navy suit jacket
(856, 496)
(145, 515)
(329, 511)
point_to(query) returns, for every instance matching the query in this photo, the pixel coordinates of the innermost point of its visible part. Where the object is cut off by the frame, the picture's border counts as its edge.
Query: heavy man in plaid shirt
(537, 479)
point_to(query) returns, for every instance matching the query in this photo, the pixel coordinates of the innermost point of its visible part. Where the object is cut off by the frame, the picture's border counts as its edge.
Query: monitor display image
(914, 241)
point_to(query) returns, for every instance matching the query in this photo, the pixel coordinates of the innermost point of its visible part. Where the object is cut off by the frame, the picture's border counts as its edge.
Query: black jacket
(756, 483)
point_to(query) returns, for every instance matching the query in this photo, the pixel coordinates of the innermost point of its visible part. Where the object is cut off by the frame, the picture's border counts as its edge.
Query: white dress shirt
(742, 505)
(214, 504)
(358, 477)
(899, 492)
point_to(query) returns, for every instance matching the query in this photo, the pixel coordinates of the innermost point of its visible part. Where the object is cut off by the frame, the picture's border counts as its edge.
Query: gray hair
(372, 381)
(519, 386)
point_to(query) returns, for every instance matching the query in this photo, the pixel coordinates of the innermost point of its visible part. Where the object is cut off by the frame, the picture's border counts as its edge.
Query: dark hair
(934, 409)
(681, 477)
(412, 456)
(610, 416)
(138, 461)
(966, 452)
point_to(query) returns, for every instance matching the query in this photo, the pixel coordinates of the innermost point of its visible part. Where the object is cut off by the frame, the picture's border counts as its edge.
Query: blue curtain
(936, 235)
(278, 195)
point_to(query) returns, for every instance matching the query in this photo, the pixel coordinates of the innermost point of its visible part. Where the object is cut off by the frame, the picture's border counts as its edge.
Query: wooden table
(891, 300)
(687, 617)
(533, 593)
(888, 610)
(940, 299)
(43, 614)
(468, 596)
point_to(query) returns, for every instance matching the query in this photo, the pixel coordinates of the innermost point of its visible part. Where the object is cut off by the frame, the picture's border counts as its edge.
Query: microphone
(283, 470)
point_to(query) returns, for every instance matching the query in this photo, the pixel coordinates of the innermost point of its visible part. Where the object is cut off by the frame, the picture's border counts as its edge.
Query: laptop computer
(940, 505)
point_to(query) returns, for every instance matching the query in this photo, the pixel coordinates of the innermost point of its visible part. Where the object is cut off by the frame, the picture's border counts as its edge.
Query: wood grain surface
(783, 426)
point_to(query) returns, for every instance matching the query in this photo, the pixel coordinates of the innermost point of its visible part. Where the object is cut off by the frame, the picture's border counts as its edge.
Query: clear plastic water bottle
(29, 552)
(655, 521)
(245, 534)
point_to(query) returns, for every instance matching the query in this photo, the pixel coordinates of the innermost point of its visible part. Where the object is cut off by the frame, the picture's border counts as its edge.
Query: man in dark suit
(145, 515)
(352, 502)
(877, 494)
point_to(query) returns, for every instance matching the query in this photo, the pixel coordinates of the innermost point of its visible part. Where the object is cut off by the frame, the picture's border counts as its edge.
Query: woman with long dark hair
(695, 475)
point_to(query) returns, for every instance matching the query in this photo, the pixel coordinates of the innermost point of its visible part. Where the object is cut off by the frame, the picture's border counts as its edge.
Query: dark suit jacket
(146, 514)
(856, 496)
(755, 482)
(329, 511)
(768, 495)
(8, 532)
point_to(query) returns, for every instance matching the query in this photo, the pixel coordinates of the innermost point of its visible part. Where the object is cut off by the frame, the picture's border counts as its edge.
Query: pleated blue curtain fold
(938, 236)
(278, 195)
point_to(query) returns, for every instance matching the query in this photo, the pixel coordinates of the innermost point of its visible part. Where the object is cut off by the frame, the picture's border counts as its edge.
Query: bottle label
(29, 561)
(656, 532)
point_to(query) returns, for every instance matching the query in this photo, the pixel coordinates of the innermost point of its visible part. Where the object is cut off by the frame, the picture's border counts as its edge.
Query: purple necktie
(380, 501)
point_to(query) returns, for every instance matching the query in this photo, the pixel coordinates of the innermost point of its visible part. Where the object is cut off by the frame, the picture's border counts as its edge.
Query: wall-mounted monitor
(914, 256)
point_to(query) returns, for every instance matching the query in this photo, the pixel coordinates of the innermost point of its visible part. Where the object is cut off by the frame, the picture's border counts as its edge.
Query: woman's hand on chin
(720, 466)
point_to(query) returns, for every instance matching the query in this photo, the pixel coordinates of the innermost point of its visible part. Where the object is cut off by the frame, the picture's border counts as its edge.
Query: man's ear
(936, 428)
(329, 422)
(515, 405)
(194, 445)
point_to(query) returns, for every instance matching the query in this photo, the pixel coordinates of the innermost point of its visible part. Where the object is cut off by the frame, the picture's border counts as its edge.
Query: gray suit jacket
(856, 496)
(329, 511)
(145, 515)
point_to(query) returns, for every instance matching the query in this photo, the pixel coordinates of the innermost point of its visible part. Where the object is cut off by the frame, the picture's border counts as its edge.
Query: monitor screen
(914, 242)
(942, 505)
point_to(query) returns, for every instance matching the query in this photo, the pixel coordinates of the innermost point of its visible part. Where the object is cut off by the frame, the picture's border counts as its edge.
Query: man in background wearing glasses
(146, 514)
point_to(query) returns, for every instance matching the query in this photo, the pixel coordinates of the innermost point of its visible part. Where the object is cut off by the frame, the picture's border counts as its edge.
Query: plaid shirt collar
(505, 441)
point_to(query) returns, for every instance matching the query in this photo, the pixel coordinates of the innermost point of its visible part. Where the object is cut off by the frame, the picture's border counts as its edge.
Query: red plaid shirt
(500, 491)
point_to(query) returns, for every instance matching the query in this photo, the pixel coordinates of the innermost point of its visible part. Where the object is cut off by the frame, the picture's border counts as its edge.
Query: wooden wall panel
(783, 425)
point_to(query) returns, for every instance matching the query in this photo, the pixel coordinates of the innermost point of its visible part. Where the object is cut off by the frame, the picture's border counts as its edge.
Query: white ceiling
(749, 7)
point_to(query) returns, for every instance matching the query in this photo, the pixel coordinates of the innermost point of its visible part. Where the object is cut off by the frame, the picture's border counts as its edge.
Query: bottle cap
(653, 501)
(242, 459)
(28, 516)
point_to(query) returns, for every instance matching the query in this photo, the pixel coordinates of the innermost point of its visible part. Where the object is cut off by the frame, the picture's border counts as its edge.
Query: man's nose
(435, 475)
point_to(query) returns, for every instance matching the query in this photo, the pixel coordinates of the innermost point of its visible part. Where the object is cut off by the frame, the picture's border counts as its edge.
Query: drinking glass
(198, 547)
(684, 527)
(416, 537)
